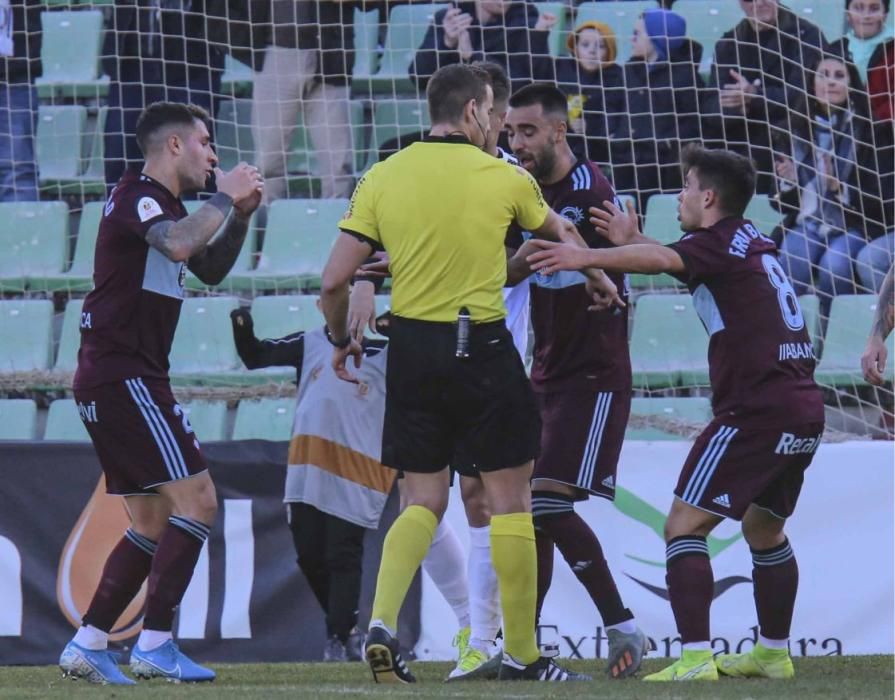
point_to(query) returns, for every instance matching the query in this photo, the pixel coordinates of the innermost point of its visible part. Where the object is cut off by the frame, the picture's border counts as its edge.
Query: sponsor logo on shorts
(609, 482)
(88, 412)
(791, 445)
(722, 500)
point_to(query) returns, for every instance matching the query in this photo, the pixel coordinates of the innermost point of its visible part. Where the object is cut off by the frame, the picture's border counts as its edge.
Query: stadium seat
(707, 20)
(26, 343)
(556, 42)
(762, 214)
(203, 344)
(660, 223)
(366, 40)
(276, 316)
(237, 78)
(79, 277)
(395, 118)
(850, 320)
(407, 27)
(60, 130)
(810, 304)
(18, 419)
(620, 16)
(70, 338)
(691, 411)
(70, 53)
(267, 419)
(829, 16)
(208, 419)
(299, 235)
(669, 345)
(64, 422)
(33, 238)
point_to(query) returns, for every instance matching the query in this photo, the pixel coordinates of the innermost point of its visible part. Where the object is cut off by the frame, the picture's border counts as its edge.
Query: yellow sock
(516, 565)
(403, 551)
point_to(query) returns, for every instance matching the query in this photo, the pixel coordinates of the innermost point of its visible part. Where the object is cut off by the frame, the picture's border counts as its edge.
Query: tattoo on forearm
(885, 313)
(212, 264)
(182, 239)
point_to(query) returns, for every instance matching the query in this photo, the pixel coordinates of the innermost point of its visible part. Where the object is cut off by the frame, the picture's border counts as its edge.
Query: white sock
(445, 565)
(484, 593)
(697, 646)
(626, 627)
(152, 639)
(773, 643)
(91, 637)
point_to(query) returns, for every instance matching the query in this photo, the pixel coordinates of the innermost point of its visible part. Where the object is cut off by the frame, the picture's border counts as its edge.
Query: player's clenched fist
(243, 184)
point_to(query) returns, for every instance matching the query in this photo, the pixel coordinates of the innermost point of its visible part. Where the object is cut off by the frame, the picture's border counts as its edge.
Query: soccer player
(145, 444)
(441, 209)
(873, 361)
(749, 463)
(581, 374)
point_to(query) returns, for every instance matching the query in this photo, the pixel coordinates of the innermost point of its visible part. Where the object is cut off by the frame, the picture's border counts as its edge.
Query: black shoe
(354, 645)
(544, 669)
(385, 659)
(334, 651)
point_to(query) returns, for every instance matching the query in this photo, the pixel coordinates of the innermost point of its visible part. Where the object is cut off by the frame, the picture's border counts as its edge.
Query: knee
(477, 512)
(203, 506)
(760, 537)
(436, 504)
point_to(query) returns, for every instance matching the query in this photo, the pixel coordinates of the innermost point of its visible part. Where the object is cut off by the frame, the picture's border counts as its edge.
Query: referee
(440, 208)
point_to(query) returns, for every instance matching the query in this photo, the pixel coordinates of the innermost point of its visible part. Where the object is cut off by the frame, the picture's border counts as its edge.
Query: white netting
(316, 92)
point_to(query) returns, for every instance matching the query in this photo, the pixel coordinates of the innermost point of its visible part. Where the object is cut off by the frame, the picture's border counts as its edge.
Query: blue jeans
(822, 264)
(18, 168)
(875, 260)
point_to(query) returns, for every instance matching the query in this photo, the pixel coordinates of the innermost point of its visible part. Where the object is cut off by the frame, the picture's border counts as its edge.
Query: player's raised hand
(619, 227)
(340, 359)
(553, 257)
(243, 184)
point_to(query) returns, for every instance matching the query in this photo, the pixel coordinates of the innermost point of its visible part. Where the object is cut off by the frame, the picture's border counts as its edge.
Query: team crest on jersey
(148, 208)
(573, 214)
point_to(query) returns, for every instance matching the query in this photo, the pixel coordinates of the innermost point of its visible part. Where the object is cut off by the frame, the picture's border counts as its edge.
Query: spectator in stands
(828, 184)
(20, 39)
(511, 33)
(593, 83)
(868, 27)
(759, 78)
(660, 110)
(158, 52)
(881, 81)
(306, 70)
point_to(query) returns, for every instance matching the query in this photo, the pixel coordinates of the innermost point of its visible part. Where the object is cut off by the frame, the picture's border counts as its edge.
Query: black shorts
(438, 406)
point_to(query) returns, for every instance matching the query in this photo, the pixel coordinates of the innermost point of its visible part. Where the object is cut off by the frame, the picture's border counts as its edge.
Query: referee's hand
(340, 360)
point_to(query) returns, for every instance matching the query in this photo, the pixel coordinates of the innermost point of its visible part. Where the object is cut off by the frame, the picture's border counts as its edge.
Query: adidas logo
(722, 500)
(581, 566)
(609, 482)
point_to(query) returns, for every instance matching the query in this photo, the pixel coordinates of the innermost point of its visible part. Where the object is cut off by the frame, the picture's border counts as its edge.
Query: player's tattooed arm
(884, 319)
(212, 263)
(180, 240)
(873, 361)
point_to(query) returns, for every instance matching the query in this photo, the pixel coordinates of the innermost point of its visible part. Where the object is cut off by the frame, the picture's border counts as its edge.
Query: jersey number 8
(786, 295)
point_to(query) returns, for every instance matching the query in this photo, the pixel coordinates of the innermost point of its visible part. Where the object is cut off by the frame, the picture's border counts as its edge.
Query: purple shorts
(141, 435)
(729, 469)
(581, 439)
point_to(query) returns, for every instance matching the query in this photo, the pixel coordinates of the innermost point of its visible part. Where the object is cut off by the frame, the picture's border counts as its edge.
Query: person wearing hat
(660, 111)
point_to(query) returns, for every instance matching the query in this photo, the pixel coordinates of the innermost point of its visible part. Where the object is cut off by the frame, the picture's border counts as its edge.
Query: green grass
(863, 677)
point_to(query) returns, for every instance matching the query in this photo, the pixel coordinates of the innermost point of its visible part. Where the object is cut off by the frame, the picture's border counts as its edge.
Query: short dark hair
(500, 83)
(550, 97)
(886, 4)
(451, 87)
(162, 114)
(730, 175)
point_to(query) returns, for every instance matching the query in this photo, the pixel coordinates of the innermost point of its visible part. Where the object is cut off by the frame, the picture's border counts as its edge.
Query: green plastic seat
(297, 241)
(70, 338)
(366, 39)
(762, 214)
(203, 344)
(850, 319)
(394, 118)
(208, 419)
(277, 316)
(660, 223)
(810, 304)
(669, 345)
(829, 16)
(18, 419)
(70, 53)
(26, 343)
(60, 130)
(64, 422)
(79, 277)
(33, 238)
(620, 16)
(237, 78)
(688, 410)
(267, 419)
(707, 21)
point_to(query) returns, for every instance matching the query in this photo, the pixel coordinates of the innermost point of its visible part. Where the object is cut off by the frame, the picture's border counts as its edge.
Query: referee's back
(441, 208)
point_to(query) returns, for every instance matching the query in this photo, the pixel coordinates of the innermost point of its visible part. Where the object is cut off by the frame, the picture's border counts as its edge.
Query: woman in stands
(828, 182)
(868, 27)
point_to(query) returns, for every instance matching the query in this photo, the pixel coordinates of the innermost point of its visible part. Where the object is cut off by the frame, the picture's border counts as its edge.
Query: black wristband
(221, 201)
(340, 344)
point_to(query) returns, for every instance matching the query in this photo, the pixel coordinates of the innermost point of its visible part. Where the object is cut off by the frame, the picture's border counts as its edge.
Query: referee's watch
(340, 344)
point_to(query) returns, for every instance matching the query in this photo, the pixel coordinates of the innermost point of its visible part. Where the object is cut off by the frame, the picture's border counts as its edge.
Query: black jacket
(24, 65)
(511, 42)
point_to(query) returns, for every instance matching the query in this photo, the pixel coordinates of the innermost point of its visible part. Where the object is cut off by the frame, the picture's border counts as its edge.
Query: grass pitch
(847, 677)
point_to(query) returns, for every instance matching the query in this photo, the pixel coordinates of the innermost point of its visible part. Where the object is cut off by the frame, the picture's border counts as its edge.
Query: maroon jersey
(761, 361)
(576, 348)
(128, 320)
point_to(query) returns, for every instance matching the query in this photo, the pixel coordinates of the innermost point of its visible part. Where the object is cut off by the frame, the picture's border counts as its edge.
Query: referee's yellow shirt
(441, 209)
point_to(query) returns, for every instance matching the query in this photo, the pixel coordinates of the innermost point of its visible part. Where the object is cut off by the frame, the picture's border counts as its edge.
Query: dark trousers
(330, 554)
